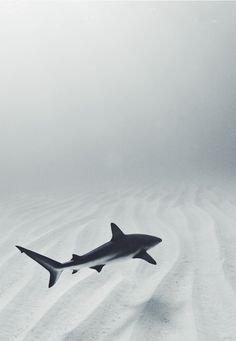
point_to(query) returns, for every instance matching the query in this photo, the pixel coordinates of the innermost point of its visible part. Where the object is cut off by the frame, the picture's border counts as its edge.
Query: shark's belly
(110, 259)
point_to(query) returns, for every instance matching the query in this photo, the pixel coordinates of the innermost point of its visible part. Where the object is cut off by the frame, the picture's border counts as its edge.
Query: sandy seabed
(188, 296)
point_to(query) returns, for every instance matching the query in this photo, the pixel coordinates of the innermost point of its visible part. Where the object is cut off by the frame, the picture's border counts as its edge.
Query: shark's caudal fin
(55, 268)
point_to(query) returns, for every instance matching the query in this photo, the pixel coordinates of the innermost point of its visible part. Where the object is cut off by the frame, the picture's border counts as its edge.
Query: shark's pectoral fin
(98, 268)
(116, 232)
(145, 256)
(74, 272)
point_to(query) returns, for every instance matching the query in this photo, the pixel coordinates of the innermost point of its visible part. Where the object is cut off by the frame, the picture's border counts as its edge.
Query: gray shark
(120, 247)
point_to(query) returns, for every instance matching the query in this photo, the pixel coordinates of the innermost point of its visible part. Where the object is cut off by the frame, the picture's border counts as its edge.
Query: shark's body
(120, 247)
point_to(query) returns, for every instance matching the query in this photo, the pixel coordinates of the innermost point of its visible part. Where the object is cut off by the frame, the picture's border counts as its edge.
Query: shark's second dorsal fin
(75, 257)
(116, 232)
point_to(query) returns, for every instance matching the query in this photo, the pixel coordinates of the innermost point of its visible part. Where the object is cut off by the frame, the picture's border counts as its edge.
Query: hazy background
(116, 92)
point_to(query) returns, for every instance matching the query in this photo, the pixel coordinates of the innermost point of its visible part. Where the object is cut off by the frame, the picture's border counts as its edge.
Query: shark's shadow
(156, 316)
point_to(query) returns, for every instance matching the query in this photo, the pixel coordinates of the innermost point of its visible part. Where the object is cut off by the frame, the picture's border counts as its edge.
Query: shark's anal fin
(145, 256)
(74, 272)
(98, 268)
(116, 232)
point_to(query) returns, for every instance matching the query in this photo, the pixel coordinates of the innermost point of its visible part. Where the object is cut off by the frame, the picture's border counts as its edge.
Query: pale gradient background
(118, 112)
(110, 93)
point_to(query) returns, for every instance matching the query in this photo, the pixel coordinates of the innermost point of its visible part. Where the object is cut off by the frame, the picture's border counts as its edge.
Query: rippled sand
(189, 295)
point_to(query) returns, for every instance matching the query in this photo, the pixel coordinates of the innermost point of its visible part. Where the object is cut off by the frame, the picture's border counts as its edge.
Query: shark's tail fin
(55, 268)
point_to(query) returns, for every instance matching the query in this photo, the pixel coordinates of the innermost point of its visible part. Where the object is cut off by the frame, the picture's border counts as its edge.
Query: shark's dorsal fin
(145, 256)
(116, 232)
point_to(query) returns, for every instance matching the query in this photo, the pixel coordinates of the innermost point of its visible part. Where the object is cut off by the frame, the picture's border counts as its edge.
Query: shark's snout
(154, 241)
(157, 240)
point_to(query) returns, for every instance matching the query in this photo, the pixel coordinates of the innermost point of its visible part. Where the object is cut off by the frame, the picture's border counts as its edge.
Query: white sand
(188, 296)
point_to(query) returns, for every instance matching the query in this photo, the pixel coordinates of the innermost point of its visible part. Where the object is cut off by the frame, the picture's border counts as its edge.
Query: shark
(121, 247)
